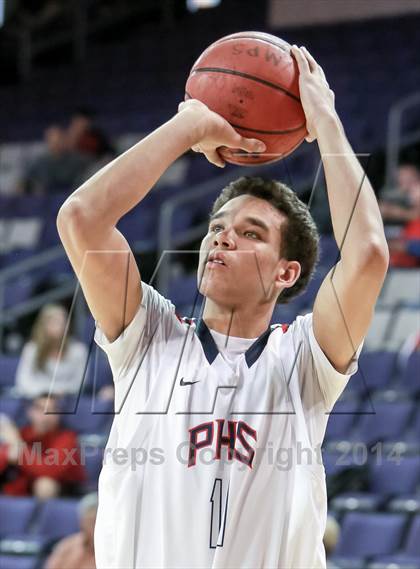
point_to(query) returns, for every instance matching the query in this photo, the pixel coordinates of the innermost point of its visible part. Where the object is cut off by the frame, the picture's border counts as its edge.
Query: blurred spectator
(59, 169)
(88, 139)
(52, 361)
(397, 206)
(76, 551)
(42, 458)
(405, 249)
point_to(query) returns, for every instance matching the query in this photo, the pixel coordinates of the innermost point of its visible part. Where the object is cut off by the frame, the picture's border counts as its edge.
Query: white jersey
(214, 462)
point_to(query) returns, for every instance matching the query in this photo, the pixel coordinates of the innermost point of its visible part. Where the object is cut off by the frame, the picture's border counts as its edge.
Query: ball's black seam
(245, 76)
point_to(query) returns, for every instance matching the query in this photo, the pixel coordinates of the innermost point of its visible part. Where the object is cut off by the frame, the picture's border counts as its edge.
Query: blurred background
(81, 82)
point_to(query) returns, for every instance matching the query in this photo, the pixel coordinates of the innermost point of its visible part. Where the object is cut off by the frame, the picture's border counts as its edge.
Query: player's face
(240, 255)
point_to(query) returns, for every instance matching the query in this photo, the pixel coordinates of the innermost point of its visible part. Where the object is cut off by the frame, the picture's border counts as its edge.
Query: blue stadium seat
(386, 478)
(93, 465)
(410, 380)
(99, 371)
(58, 518)
(383, 421)
(369, 534)
(410, 552)
(341, 419)
(392, 478)
(8, 366)
(86, 415)
(13, 407)
(15, 514)
(19, 562)
(183, 291)
(375, 372)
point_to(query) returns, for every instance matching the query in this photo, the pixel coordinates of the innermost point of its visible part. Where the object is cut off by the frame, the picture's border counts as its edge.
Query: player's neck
(248, 322)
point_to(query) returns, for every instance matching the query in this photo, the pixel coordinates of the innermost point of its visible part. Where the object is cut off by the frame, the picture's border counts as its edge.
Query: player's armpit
(343, 311)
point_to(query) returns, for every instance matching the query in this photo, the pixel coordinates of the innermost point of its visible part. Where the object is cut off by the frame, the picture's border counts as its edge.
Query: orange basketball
(252, 80)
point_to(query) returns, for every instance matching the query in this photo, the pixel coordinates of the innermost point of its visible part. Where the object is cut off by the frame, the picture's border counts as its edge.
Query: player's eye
(251, 234)
(216, 228)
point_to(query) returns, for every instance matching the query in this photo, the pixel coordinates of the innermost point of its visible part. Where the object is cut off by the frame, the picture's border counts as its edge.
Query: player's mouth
(216, 260)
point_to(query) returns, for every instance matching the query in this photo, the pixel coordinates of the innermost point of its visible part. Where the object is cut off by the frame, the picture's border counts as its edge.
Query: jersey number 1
(219, 505)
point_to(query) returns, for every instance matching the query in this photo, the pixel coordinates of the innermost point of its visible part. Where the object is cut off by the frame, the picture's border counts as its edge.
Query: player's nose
(224, 240)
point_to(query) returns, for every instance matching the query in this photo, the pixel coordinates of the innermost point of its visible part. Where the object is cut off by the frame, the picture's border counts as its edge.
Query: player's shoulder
(297, 328)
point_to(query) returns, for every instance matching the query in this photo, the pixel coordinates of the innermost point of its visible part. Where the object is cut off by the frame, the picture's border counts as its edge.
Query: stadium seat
(341, 419)
(15, 514)
(369, 534)
(388, 476)
(382, 421)
(375, 372)
(93, 465)
(183, 291)
(8, 366)
(409, 555)
(58, 518)
(401, 286)
(406, 322)
(19, 562)
(381, 323)
(86, 415)
(13, 407)
(99, 373)
(410, 380)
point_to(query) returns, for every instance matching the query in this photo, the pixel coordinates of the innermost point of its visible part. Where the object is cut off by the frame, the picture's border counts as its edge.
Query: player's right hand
(213, 132)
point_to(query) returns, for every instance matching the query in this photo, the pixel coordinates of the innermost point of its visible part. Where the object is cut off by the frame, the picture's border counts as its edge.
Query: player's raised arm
(98, 252)
(345, 303)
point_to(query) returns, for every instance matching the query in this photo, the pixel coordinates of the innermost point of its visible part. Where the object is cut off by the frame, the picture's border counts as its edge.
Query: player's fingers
(313, 65)
(214, 158)
(250, 144)
(301, 60)
(321, 72)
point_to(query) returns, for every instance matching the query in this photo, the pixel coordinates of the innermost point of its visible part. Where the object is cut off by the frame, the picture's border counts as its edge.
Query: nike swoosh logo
(182, 382)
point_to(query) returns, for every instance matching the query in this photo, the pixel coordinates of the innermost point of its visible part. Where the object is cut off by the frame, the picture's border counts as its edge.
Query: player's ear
(288, 273)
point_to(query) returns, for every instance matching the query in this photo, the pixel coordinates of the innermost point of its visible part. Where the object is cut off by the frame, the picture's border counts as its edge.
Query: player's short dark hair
(299, 235)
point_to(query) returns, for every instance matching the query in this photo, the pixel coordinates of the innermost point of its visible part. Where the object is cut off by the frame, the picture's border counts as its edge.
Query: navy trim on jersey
(210, 347)
(254, 351)
(206, 339)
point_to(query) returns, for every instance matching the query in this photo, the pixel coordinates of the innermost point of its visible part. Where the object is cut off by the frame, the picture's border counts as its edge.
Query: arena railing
(396, 139)
(167, 243)
(60, 291)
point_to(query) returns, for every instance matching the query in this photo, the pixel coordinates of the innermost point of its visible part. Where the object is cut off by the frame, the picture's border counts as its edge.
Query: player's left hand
(315, 94)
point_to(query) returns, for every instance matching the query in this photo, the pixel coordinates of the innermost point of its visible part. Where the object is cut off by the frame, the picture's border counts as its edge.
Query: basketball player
(226, 413)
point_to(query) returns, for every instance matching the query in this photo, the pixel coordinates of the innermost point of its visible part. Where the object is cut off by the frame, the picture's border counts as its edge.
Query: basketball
(252, 80)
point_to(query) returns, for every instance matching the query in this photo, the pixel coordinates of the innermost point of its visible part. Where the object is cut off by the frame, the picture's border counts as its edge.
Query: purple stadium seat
(183, 291)
(88, 415)
(384, 422)
(341, 419)
(410, 552)
(18, 562)
(370, 534)
(58, 518)
(93, 466)
(99, 373)
(386, 478)
(328, 251)
(15, 514)
(375, 372)
(13, 407)
(393, 477)
(8, 366)
(410, 380)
